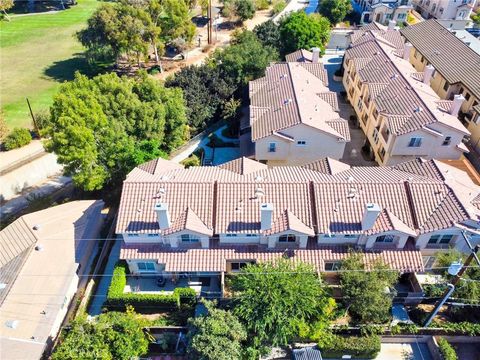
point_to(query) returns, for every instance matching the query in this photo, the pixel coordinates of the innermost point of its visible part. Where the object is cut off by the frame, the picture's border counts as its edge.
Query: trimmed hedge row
(17, 138)
(366, 347)
(447, 350)
(118, 300)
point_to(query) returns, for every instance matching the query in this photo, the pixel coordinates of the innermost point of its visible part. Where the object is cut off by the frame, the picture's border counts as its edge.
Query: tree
(4, 6)
(3, 126)
(335, 10)
(466, 289)
(215, 336)
(244, 9)
(113, 335)
(175, 21)
(204, 90)
(97, 126)
(17, 138)
(364, 290)
(274, 299)
(301, 31)
(269, 34)
(245, 59)
(230, 108)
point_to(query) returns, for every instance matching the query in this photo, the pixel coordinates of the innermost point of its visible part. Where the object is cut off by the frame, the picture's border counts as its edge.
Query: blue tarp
(312, 7)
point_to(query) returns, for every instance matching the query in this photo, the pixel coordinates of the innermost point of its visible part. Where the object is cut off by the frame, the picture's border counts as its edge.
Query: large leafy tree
(302, 31)
(269, 34)
(204, 90)
(98, 126)
(335, 10)
(216, 336)
(245, 59)
(364, 289)
(113, 335)
(244, 9)
(4, 6)
(274, 299)
(175, 21)
(469, 287)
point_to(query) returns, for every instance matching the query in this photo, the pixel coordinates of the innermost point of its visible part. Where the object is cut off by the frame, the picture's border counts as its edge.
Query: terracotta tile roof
(327, 196)
(387, 221)
(449, 55)
(299, 56)
(389, 76)
(284, 98)
(215, 258)
(188, 220)
(288, 221)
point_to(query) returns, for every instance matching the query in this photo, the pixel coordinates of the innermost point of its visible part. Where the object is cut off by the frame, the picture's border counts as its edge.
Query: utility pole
(33, 118)
(210, 22)
(456, 279)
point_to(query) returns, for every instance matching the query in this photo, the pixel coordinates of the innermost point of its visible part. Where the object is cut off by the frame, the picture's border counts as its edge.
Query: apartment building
(455, 66)
(400, 114)
(452, 13)
(382, 11)
(294, 117)
(206, 221)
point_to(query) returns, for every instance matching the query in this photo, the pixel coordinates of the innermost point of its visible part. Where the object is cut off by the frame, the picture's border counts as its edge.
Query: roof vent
(259, 178)
(161, 192)
(436, 52)
(259, 192)
(418, 109)
(352, 192)
(394, 76)
(12, 324)
(164, 178)
(36, 227)
(3, 286)
(287, 101)
(39, 247)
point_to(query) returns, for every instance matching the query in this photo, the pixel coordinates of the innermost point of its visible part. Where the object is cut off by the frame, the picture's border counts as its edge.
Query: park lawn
(38, 53)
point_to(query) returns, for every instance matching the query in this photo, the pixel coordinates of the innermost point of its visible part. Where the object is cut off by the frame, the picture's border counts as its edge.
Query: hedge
(366, 347)
(446, 350)
(17, 138)
(118, 300)
(461, 328)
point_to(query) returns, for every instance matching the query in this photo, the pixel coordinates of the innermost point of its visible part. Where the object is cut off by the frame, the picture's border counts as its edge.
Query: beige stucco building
(453, 13)
(294, 117)
(400, 114)
(456, 69)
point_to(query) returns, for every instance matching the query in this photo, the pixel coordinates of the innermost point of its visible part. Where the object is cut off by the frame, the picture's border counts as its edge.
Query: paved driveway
(404, 351)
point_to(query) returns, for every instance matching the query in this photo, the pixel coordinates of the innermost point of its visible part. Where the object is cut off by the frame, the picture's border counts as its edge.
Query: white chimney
(370, 215)
(315, 55)
(266, 213)
(391, 24)
(428, 73)
(457, 104)
(163, 216)
(407, 49)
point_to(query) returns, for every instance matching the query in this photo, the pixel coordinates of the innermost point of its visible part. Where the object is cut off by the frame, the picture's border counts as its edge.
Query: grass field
(37, 53)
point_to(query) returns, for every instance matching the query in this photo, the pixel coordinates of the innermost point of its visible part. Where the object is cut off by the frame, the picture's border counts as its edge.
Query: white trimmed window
(239, 265)
(415, 142)
(152, 235)
(146, 266)
(447, 141)
(440, 239)
(288, 238)
(301, 143)
(133, 235)
(231, 235)
(332, 265)
(385, 239)
(272, 147)
(187, 238)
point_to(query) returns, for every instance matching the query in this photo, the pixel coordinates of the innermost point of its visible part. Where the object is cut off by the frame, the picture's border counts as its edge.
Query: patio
(205, 286)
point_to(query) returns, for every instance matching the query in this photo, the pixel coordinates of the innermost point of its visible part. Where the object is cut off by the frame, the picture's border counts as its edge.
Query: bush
(192, 160)
(278, 6)
(261, 4)
(17, 138)
(461, 328)
(359, 347)
(447, 350)
(118, 300)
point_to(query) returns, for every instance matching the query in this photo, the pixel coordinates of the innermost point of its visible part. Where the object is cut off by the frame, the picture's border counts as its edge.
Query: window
(446, 86)
(359, 104)
(187, 238)
(152, 235)
(133, 235)
(467, 96)
(236, 266)
(441, 10)
(332, 265)
(447, 141)
(146, 266)
(289, 238)
(251, 235)
(272, 147)
(440, 239)
(385, 239)
(415, 142)
(461, 90)
(434, 7)
(402, 16)
(231, 235)
(350, 236)
(375, 135)
(301, 143)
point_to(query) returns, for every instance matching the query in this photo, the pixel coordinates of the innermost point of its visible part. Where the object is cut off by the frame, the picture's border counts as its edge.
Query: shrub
(278, 6)
(192, 160)
(261, 4)
(447, 350)
(118, 300)
(461, 328)
(3, 127)
(359, 347)
(17, 138)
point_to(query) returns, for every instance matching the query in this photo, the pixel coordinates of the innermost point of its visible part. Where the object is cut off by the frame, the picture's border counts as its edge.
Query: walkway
(292, 6)
(105, 279)
(404, 351)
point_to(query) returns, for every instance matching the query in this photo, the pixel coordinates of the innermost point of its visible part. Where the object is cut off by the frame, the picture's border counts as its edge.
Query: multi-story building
(452, 13)
(400, 114)
(294, 117)
(205, 221)
(455, 66)
(382, 11)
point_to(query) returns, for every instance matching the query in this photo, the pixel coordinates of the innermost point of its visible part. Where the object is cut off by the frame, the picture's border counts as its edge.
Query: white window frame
(272, 147)
(146, 265)
(133, 235)
(438, 239)
(335, 266)
(188, 238)
(447, 141)
(287, 239)
(301, 142)
(385, 239)
(231, 235)
(152, 235)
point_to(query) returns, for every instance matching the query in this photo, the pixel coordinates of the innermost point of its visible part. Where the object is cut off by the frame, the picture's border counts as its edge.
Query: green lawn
(37, 53)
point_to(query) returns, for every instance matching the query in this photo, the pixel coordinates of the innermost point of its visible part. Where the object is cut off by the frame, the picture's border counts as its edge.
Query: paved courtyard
(404, 351)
